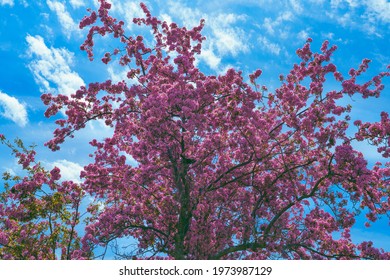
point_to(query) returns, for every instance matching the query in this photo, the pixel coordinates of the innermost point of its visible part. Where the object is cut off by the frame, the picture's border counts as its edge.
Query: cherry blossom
(224, 170)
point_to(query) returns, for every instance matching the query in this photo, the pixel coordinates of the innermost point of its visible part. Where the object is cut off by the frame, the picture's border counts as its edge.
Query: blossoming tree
(225, 169)
(38, 213)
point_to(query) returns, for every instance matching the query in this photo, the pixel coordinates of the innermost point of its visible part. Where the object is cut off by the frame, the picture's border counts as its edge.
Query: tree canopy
(225, 168)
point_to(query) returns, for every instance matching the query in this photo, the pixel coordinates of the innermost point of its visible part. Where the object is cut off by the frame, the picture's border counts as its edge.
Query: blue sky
(39, 50)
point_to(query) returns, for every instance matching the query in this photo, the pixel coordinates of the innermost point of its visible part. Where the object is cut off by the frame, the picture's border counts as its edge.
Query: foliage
(38, 213)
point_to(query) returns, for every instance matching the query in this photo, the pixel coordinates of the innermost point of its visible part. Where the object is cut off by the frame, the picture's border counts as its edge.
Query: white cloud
(117, 75)
(229, 39)
(77, 3)
(69, 170)
(296, 5)
(7, 2)
(335, 3)
(220, 29)
(228, 19)
(210, 58)
(11, 108)
(328, 36)
(68, 25)
(266, 45)
(51, 66)
(167, 18)
(189, 16)
(127, 10)
(46, 16)
(379, 9)
(353, 3)
(226, 68)
(285, 16)
(268, 25)
(10, 171)
(271, 24)
(367, 15)
(12, 166)
(303, 35)
(346, 20)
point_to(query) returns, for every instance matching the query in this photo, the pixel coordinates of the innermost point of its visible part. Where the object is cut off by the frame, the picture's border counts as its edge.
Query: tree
(38, 214)
(225, 169)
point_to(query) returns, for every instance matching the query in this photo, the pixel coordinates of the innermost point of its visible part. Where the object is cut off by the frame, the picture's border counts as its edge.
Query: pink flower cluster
(38, 213)
(224, 170)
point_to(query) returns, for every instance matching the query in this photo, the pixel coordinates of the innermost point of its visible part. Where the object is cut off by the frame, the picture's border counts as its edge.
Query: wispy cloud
(229, 39)
(224, 32)
(188, 16)
(69, 170)
(353, 3)
(7, 2)
(166, 17)
(296, 5)
(335, 3)
(222, 29)
(268, 46)
(303, 35)
(115, 74)
(209, 57)
(368, 15)
(77, 3)
(69, 26)
(317, 1)
(277, 26)
(378, 10)
(11, 108)
(346, 20)
(126, 10)
(51, 67)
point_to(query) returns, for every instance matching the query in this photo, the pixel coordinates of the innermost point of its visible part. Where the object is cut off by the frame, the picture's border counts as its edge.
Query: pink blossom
(206, 166)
